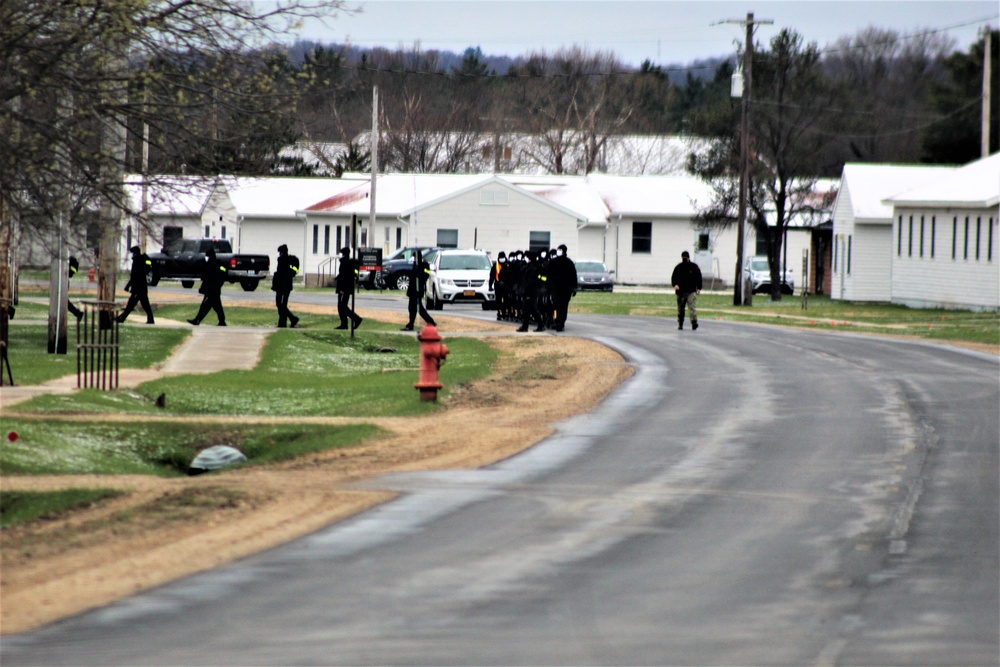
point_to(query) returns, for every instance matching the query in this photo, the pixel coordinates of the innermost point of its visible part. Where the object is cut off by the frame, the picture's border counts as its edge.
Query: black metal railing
(97, 346)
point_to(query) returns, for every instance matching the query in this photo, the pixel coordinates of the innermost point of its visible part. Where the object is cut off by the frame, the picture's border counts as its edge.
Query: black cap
(282, 248)
(685, 254)
(134, 249)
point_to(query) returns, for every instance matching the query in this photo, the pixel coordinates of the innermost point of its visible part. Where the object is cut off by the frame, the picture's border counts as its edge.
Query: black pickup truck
(183, 260)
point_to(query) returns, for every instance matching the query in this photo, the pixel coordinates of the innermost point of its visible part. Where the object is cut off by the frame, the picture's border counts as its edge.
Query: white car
(759, 272)
(459, 275)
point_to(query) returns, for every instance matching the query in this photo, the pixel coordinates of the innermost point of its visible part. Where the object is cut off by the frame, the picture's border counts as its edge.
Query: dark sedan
(593, 275)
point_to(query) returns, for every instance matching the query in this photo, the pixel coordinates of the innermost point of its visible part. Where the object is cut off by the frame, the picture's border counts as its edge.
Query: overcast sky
(664, 31)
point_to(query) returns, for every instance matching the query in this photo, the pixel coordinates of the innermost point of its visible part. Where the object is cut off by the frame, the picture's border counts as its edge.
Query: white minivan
(459, 275)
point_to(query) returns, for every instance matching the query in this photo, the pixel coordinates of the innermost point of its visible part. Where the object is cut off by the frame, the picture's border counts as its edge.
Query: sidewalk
(209, 349)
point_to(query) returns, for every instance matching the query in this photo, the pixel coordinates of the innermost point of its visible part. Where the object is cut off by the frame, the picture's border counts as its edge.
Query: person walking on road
(347, 276)
(686, 280)
(213, 277)
(415, 291)
(284, 276)
(136, 285)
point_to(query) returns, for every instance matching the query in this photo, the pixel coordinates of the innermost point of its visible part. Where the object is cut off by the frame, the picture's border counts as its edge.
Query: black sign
(370, 259)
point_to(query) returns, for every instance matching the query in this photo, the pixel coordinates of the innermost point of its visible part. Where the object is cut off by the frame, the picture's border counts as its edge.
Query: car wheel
(249, 285)
(786, 290)
(401, 282)
(187, 284)
(152, 279)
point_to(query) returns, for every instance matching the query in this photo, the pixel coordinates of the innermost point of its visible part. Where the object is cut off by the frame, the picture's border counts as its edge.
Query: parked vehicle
(459, 275)
(759, 271)
(591, 274)
(183, 260)
(396, 269)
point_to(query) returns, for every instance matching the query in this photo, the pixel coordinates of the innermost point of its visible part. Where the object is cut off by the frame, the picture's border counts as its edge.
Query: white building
(637, 225)
(863, 227)
(944, 251)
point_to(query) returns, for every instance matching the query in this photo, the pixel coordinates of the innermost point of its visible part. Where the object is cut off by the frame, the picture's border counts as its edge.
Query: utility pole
(987, 75)
(374, 152)
(749, 23)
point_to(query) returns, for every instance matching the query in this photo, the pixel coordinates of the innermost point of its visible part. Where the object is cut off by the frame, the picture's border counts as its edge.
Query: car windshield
(591, 267)
(759, 265)
(464, 262)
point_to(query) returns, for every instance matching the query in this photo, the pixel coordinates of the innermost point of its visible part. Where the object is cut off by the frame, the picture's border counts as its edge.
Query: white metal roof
(653, 196)
(976, 185)
(282, 197)
(870, 185)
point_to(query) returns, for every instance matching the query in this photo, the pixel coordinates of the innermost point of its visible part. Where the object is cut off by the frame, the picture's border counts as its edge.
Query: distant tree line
(875, 97)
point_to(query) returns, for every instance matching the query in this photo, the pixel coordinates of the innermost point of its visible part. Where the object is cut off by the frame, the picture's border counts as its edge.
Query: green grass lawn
(31, 362)
(24, 506)
(821, 312)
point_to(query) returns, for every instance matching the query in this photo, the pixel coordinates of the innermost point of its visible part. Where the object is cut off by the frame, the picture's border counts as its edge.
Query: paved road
(751, 496)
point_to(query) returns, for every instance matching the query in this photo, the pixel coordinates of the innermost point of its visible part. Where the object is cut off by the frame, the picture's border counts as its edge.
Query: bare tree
(790, 97)
(883, 81)
(186, 69)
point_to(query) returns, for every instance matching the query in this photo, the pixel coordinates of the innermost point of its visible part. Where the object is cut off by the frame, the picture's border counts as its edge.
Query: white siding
(871, 264)
(496, 227)
(592, 244)
(669, 239)
(843, 227)
(943, 280)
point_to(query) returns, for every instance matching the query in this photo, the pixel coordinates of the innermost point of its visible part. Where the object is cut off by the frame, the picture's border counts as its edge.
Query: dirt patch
(163, 529)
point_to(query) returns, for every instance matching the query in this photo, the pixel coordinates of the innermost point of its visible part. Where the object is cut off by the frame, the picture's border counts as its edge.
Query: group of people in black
(534, 287)
(531, 288)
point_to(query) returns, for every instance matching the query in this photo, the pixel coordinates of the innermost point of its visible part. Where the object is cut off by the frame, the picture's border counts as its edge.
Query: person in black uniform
(74, 266)
(562, 285)
(347, 276)
(686, 280)
(415, 291)
(531, 285)
(136, 285)
(284, 275)
(213, 277)
(497, 284)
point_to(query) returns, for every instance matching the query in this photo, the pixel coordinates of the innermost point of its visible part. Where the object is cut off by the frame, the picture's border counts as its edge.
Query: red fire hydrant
(432, 355)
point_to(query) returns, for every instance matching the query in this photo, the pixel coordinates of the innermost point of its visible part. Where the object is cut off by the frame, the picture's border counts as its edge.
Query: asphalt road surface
(752, 496)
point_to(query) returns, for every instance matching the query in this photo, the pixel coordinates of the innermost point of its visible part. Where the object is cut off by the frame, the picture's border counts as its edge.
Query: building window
(704, 239)
(989, 248)
(954, 237)
(909, 249)
(494, 197)
(208, 232)
(979, 235)
(399, 238)
(315, 239)
(836, 245)
(921, 236)
(933, 235)
(850, 240)
(539, 241)
(965, 253)
(223, 231)
(447, 238)
(642, 237)
(171, 235)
